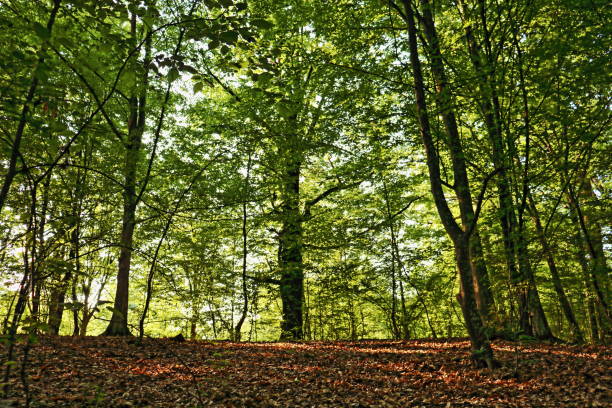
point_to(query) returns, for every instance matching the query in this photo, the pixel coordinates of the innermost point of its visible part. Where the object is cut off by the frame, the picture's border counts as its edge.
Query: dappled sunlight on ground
(118, 372)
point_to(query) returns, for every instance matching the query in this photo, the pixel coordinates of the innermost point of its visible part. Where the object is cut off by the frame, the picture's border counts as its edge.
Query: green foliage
(238, 95)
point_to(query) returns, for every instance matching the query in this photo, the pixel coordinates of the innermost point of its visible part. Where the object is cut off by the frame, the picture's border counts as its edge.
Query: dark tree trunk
(25, 112)
(245, 252)
(118, 325)
(482, 283)
(75, 311)
(597, 273)
(554, 273)
(290, 254)
(513, 235)
(460, 235)
(395, 327)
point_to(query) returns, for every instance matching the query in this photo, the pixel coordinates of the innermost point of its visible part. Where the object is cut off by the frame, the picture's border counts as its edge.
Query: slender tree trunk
(118, 325)
(25, 112)
(75, 311)
(24, 289)
(539, 321)
(554, 273)
(58, 294)
(460, 236)
(39, 270)
(394, 324)
(590, 237)
(245, 253)
(593, 236)
(512, 231)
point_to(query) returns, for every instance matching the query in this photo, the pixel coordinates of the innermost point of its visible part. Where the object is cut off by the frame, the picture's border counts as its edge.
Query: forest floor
(117, 372)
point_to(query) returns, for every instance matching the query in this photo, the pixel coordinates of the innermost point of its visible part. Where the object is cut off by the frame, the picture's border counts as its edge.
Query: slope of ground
(118, 372)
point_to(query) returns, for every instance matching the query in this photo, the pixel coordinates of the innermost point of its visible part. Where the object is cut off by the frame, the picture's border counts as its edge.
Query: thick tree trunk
(118, 324)
(56, 303)
(290, 254)
(193, 330)
(537, 322)
(481, 349)
(482, 283)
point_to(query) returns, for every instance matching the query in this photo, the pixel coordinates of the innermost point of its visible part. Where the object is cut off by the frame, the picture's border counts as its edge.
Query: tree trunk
(591, 298)
(482, 283)
(245, 249)
(513, 235)
(38, 271)
(25, 111)
(592, 230)
(290, 253)
(598, 271)
(460, 236)
(118, 325)
(556, 279)
(193, 330)
(395, 327)
(75, 311)
(58, 295)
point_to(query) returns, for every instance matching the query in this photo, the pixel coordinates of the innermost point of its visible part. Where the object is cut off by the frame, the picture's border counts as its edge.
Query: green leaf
(129, 78)
(66, 42)
(261, 23)
(41, 31)
(197, 87)
(265, 77)
(229, 37)
(286, 108)
(42, 72)
(173, 74)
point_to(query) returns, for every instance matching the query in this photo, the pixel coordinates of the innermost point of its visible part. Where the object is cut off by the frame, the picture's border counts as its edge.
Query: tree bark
(245, 253)
(25, 111)
(514, 240)
(598, 271)
(290, 252)
(460, 236)
(554, 273)
(118, 325)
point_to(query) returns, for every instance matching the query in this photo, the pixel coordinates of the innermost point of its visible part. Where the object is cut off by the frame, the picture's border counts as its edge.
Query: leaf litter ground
(118, 372)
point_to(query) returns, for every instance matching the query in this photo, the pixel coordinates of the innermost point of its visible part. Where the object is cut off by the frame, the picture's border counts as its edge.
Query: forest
(215, 185)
